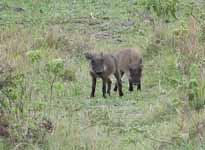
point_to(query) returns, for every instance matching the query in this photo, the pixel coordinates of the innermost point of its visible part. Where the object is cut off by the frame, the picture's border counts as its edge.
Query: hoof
(92, 96)
(121, 94)
(104, 96)
(131, 90)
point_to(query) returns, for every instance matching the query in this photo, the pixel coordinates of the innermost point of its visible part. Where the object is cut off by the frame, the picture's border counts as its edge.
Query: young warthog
(130, 63)
(103, 66)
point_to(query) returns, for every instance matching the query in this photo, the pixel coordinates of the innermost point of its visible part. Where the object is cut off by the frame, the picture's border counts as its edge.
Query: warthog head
(96, 62)
(135, 72)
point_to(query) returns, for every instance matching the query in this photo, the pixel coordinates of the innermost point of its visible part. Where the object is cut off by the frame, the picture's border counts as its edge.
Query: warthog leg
(93, 86)
(130, 86)
(119, 83)
(104, 81)
(139, 86)
(109, 83)
(115, 88)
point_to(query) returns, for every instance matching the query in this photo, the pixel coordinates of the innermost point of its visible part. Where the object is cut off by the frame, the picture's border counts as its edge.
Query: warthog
(103, 66)
(130, 63)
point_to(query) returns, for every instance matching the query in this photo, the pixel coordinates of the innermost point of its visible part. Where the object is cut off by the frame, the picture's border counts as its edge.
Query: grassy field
(48, 108)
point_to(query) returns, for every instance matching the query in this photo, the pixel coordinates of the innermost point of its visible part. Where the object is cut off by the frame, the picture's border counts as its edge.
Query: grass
(152, 119)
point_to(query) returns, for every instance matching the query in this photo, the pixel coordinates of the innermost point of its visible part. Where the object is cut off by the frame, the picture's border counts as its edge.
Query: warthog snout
(136, 83)
(135, 73)
(99, 73)
(98, 69)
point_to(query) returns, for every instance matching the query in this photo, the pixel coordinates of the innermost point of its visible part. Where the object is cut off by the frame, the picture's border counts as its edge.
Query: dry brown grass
(67, 42)
(187, 38)
(55, 41)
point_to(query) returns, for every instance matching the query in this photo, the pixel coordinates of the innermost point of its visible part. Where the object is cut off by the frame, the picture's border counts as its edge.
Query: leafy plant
(69, 74)
(161, 8)
(196, 91)
(34, 55)
(55, 68)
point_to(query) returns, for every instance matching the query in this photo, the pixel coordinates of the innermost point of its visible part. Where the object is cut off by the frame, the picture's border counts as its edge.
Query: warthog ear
(88, 55)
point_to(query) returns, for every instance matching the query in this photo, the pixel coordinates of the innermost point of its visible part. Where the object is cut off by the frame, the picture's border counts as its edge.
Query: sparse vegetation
(45, 83)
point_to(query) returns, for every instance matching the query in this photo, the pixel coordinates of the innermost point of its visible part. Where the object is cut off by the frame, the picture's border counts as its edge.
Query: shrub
(161, 8)
(69, 75)
(55, 66)
(34, 55)
(196, 93)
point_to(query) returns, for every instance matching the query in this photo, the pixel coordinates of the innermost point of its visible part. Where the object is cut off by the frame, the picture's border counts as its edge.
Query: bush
(69, 75)
(34, 55)
(196, 93)
(161, 8)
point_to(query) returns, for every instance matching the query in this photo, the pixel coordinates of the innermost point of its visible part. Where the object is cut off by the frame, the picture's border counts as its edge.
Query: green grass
(150, 119)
